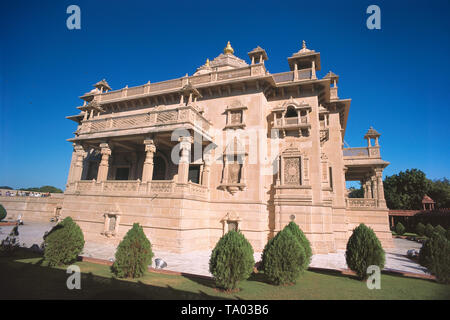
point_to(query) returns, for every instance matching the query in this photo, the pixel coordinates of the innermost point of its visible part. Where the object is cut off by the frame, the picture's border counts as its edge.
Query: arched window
(291, 113)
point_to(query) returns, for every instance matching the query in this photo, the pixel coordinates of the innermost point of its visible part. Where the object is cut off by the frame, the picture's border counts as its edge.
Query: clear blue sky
(397, 77)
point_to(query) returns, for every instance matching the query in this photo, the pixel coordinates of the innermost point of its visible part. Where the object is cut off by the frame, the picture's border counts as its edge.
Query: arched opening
(291, 112)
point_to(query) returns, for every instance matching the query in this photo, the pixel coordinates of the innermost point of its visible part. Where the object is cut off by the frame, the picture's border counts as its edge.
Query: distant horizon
(396, 77)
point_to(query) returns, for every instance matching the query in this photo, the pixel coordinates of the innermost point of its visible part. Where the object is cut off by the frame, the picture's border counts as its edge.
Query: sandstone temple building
(231, 146)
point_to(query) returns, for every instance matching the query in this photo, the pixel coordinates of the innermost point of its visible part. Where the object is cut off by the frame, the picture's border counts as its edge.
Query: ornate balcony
(175, 117)
(293, 122)
(362, 153)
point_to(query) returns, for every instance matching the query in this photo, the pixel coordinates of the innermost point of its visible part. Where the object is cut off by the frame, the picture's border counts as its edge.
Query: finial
(304, 44)
(228, 49)
(207, 62)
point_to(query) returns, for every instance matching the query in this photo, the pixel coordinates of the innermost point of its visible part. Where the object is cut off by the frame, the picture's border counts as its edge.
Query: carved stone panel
(291, 172)
(234, 172)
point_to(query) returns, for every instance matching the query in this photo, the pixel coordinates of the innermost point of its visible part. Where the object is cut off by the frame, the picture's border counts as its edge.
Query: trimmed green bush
(63, 243)
(447, 234)
(283, 258)
(440, 230)
(420, 229)
(429, 230)
(425, 254)
(440, 257)
(134, 254)
(298, 233)
(231, 260)
(400, 228)
(2, 213)
(363, 250)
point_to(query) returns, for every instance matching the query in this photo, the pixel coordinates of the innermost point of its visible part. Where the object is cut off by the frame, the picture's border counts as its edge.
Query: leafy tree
(283, 258)
(435, 256)
(298, 233)
(400, 228)
(6, 188)
(63, 243)
(406, 189)
(3, 212)
(420, 229)
(363, 250)
(440, 193)
(231, 260)
(439, 230)
(133, 254)
(429, 230)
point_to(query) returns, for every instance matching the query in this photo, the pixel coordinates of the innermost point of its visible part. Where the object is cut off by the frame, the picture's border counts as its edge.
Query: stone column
(207, 158)
(183, 165)
(104, 164)
(380, 188)
(80, 153)
(369, 188)
(150, 149)
(374, 187)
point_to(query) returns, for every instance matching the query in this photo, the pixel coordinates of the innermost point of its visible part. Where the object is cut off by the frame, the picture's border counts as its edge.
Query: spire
(228, 49)
(207, 62)
(304, 44)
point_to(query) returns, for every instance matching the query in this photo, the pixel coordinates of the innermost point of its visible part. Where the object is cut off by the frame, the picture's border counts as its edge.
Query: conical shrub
(400, 228)
(300, 236)
(2, 213)
(363, 250)
(134, 254)
(63, 243)
(231, 260)
(283, 258)
(420, 229)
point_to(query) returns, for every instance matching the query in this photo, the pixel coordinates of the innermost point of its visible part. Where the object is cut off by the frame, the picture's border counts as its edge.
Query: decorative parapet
(136, 188)
(361, 203)
(364, 152)
(304, 74)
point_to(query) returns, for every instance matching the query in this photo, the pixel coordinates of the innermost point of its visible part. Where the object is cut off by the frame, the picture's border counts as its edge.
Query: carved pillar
(183, 165)
(207, 158)
(369, 188)
(380, 188)
(80, 153)
(150, 149)
(104, 164)
(374, 187)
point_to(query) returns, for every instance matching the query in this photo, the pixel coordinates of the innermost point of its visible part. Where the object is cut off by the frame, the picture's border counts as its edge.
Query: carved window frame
(290, 153)
(235, 107)
(107, 221)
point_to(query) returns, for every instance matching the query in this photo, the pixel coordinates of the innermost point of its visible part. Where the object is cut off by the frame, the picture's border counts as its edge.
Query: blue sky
(397, 77)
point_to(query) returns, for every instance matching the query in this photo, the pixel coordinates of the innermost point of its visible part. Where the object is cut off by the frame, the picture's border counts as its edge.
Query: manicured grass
(26, 276)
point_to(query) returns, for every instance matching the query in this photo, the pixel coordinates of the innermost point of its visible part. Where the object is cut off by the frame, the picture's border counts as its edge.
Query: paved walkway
(198, 262)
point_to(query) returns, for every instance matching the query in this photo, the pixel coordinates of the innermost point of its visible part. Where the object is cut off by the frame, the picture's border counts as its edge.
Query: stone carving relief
(292, 171)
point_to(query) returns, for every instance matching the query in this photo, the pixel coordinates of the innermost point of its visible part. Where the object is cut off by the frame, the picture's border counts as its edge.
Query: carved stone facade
(231, 146)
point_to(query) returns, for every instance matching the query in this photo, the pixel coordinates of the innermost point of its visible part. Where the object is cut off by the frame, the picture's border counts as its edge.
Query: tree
(63, 243)
(420, 229)
(298, 233)
(231, 260)
(400, 228)
(133, 254)
(440, 193)
(406, 190)
(363, 250)
(429, 230)
(3, 212)
(43, 189)
(283, 258)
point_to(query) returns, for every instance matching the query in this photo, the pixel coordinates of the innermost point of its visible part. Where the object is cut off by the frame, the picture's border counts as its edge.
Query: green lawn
(25, 276)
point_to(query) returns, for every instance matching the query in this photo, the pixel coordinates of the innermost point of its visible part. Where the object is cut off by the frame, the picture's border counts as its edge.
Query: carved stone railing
(186, 114)
(364, 152)
(254, 70)
(292, 122)
(361, 203)
(136, 187)
(305, 74)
